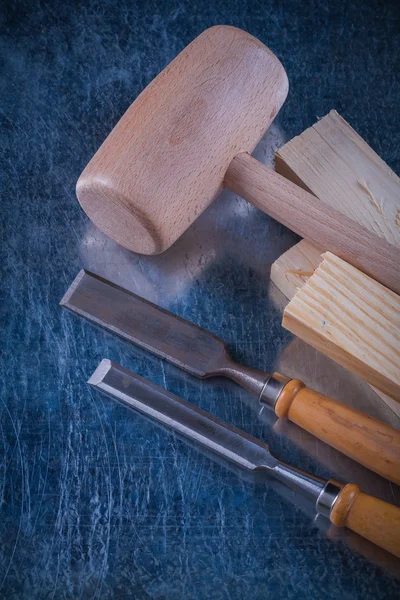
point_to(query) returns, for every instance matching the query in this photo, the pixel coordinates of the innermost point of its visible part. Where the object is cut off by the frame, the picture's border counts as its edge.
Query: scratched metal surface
(96, 501)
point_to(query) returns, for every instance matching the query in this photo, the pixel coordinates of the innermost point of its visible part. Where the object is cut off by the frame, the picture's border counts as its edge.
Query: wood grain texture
(377, 521)
(188, 134)
(291, 271)
(367, 441)
(351, 318)
(314, 220)
(165, 160)
(333, 162)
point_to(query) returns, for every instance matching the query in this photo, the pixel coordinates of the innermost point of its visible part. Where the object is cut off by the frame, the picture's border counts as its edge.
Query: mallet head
(165, 160)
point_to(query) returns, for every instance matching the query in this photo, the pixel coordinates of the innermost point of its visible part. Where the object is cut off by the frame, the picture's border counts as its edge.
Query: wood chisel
(344, 505)
(202, 354)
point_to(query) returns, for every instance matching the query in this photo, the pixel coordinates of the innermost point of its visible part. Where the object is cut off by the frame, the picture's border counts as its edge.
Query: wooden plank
(314, 220)
(351, 318)
(334, 163)
(292, 270)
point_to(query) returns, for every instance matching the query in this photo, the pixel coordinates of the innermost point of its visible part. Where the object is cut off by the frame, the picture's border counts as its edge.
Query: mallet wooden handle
(373, 519)
(364, 439)
(313, 220)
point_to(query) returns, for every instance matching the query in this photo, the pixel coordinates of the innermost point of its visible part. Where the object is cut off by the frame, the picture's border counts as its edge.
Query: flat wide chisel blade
(182, 343)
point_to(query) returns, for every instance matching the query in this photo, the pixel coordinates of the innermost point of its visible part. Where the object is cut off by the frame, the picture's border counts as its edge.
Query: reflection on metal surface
(246, 453)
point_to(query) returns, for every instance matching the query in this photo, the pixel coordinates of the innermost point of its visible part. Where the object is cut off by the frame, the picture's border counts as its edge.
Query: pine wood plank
(295, 266)
(334, 163)
(351, 318)
(292, 270)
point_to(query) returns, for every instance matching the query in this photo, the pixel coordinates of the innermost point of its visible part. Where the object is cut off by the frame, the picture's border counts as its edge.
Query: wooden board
(314, 219)
(333, 162)
(352, 319)
(292, 270)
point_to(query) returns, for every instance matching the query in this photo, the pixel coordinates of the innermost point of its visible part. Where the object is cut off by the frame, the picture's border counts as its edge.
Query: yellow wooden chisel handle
(364, 439)
(373, 519)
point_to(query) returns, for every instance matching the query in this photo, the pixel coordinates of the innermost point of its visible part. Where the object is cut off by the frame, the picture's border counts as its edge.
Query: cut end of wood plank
(351, 318)
(300, 257)
(293, 268)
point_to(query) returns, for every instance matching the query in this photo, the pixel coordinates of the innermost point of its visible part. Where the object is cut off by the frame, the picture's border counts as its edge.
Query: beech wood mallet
(189, 134)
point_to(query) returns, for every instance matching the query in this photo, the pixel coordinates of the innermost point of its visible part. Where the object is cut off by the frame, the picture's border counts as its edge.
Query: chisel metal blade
(166, 335)
(253, 455)
(202, 354)
(182, 343)
(196, 424)
(185, 418)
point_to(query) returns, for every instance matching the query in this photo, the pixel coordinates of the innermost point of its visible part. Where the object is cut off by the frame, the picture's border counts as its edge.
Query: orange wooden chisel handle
(373, 519)
(364, 439)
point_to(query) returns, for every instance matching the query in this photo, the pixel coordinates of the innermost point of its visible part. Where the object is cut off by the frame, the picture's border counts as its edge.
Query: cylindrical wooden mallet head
(166, 159)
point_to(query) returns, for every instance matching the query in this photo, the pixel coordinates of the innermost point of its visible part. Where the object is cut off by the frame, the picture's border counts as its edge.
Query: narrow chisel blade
(236, 446)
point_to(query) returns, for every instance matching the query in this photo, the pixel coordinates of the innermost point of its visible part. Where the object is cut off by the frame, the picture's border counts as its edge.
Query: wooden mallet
(189, 134)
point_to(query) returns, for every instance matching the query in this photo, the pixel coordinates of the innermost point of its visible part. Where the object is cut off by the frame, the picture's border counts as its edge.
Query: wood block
(292, 270)
(352, 319)
(335, 164)
(295, 266)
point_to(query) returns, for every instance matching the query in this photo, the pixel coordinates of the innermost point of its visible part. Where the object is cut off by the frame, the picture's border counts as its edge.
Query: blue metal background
(96, 501)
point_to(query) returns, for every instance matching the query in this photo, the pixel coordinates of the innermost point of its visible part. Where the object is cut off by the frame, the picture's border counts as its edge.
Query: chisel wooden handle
(373, 519)
(364, 439)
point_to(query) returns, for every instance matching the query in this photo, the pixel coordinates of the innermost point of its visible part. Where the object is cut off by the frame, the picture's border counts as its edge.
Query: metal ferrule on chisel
(272, 389)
